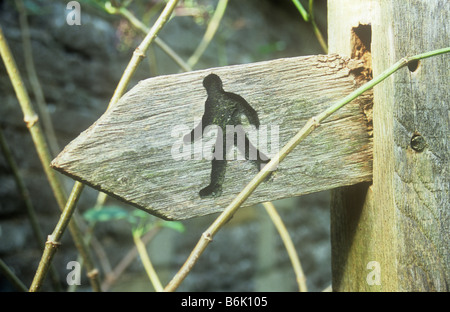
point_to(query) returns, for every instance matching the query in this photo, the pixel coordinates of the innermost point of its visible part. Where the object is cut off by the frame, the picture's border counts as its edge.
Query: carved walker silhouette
(225, 109)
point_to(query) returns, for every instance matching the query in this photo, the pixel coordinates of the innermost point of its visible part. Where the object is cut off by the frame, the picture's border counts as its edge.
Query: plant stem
(142, 250)
(28, 204)
(229, 211)
(316, 29)
(290, 248)
(210, 32)
(142, 27)
(302, 10)
(12, 277)
(53, 243)
(139, 53)
(369, 85)
(127, 260)
(310, 125)
(212, 28)
(22, 190)
(40, 144)
(31, 120)
(34, 80)
(309, 17)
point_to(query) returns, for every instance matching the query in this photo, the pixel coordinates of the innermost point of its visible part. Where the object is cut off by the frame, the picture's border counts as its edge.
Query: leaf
(272, 47)
(174, 225)
(140, 214)
(106, 213)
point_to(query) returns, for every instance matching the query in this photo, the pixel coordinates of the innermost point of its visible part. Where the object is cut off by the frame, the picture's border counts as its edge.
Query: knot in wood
(418, 143)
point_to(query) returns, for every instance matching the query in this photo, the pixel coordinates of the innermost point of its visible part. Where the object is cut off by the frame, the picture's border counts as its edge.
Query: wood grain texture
(412, 188)
(127, 153)
(401, 221)
(357, 237)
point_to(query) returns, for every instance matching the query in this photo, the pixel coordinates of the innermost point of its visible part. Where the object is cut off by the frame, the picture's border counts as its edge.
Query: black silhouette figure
(222, 109)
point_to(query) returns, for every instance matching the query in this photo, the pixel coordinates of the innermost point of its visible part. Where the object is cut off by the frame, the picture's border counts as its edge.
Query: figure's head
(212, 82)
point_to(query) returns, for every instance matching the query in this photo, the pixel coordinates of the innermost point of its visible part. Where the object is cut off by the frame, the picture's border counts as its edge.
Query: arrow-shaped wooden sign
(184, 145)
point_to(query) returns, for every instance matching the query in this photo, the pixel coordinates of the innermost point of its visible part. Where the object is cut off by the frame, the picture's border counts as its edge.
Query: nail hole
(413, 65)
(418, 142)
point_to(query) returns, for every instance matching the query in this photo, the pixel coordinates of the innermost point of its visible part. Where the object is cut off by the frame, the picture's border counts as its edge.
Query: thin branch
(22, 190)
(311, 124)
(139, 53)
(127, 260)
(212, 28)
(12, 277)
(308, 16)
(28, 204)
(369, 85)
(31, 120)
(290, 248)
(166, 48)
(210, 32)
(53, 243)
(142, 250)
(316, 29)
(159, 42)
(34, 80)
(302, 10)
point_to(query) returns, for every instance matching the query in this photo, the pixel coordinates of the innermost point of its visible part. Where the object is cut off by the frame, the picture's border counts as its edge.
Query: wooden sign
(141, 150)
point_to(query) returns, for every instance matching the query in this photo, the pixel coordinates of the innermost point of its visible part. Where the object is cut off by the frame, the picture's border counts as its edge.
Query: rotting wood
(128, 152)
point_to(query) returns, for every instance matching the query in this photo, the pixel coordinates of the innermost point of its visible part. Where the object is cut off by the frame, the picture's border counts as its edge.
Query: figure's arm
(250, 113)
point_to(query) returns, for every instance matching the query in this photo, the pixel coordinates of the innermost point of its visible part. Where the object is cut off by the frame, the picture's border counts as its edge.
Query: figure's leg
(218, 169)
(250, 151)
(261, 158)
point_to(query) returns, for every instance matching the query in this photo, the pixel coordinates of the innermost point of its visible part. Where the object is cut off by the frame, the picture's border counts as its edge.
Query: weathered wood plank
(128, 152)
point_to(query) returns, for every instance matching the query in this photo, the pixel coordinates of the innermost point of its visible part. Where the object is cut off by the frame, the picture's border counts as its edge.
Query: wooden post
(393, 235)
